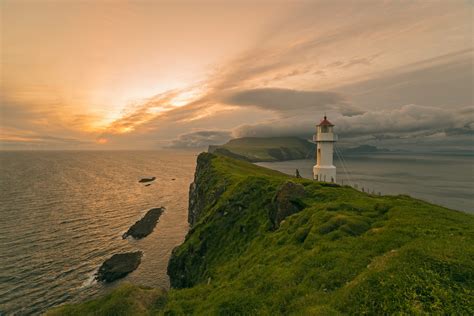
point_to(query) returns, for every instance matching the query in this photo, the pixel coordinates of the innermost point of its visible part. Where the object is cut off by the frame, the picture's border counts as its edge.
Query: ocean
(443, 179)
(63, 213)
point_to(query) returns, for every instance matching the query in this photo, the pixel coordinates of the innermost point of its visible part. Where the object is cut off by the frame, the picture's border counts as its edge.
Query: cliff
(259, 149)
(262, 242)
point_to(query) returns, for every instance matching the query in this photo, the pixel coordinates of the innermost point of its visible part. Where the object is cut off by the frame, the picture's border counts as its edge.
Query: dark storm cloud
(201, 138)
(291, 101)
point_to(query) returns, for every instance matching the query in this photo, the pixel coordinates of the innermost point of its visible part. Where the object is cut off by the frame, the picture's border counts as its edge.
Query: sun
(102, 140)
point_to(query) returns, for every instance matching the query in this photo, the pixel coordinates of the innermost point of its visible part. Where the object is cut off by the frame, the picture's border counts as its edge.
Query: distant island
(264, 149)
(265, 243)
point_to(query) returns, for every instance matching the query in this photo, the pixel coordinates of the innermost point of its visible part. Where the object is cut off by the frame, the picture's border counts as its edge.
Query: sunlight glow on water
(63, 213)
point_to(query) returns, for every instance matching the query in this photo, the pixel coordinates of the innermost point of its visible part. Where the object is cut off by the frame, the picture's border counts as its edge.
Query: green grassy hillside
(257, 149)
(263, 243)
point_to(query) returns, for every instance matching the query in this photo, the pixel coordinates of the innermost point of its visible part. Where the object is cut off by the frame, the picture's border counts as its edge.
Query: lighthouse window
(324, 129)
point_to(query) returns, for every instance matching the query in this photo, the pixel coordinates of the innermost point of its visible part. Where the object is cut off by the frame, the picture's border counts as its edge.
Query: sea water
(63, 213)
(444, 179)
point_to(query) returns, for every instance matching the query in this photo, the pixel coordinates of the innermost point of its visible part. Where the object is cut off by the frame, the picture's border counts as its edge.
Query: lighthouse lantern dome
(325, 126)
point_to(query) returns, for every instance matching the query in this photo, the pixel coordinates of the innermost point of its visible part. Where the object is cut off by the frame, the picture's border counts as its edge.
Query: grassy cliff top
(257, 149)
(266, 243)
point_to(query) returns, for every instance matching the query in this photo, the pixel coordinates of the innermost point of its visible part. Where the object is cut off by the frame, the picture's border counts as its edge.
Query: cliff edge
(262, 242)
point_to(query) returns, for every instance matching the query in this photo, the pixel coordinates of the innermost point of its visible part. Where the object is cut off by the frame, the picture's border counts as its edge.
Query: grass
(346, 252)
(127, 299)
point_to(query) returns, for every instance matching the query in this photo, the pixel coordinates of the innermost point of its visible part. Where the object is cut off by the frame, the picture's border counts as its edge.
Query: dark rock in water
(287, 201)
(147, 180)
(118, 266)
(173, 179)
(145, 226)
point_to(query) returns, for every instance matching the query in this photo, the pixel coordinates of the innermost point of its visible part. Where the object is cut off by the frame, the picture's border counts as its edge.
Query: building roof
(325, 122)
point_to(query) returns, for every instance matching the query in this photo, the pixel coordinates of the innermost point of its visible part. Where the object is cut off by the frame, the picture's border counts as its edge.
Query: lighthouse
(324, 170)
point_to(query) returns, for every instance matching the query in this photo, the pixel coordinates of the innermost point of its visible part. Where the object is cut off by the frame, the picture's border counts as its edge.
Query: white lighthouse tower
(324, 170)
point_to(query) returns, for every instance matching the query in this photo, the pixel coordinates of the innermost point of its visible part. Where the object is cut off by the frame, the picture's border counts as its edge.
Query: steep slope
(258, 149)
(265, 243)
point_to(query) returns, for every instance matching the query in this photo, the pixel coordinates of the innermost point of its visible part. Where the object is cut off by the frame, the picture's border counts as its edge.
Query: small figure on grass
(298, 173)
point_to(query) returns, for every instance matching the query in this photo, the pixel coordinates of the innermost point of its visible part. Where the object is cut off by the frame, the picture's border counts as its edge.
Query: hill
(364, 149)
(265, 243)
(257, 149)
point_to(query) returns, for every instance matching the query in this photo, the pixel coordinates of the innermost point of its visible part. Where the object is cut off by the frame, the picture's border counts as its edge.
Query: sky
(185, 74)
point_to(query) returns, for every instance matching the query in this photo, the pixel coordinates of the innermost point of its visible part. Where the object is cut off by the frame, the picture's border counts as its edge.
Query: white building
(324, 170)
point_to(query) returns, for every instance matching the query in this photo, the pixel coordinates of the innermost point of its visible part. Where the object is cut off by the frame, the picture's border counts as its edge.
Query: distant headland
(269, 149)
(265, 149)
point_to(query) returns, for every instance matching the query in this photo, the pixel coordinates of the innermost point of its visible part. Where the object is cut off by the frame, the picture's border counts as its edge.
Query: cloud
(371, 70)
(276, 128)
(201, 138)
(354, 61)
(11, 139)
(290, 101)
(407, 121)
(446, 79)
(28, 126)
(360, 61)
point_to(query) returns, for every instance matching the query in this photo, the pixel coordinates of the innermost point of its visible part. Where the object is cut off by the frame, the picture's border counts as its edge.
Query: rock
(287, 201)
(118, 266)
(145, 226)
(143, 180)
(147, 185)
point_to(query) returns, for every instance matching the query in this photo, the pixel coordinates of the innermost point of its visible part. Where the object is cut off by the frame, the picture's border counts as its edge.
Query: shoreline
(230, 229)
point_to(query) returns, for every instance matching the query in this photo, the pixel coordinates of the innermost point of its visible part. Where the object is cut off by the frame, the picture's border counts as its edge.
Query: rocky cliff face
(263, 242)
(185, 266)
(205, 189)
(220, 222)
